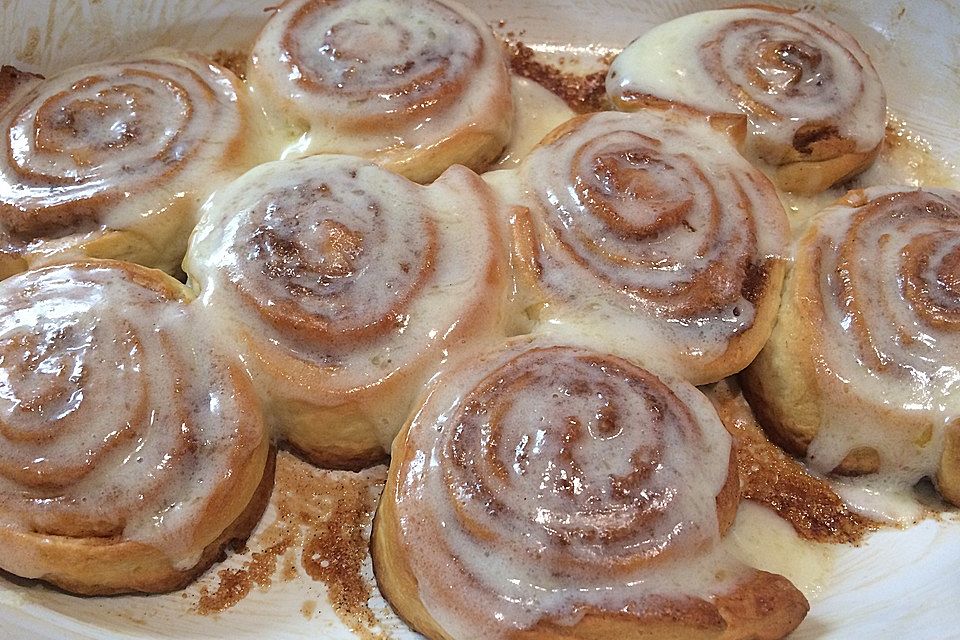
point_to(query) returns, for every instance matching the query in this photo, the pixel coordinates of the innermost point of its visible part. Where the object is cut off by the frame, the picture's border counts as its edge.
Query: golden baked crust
(648, 232)
(815, 103)
(846, 379)
(344, 287)
(133, 472)
(432, 579)
(104, 566)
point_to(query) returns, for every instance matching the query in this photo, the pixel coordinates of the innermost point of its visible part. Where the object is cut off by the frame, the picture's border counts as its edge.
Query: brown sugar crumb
(583, 93)
(772, 478)
(321, 528)
(335, 552)
(235, 61)
(235, 584)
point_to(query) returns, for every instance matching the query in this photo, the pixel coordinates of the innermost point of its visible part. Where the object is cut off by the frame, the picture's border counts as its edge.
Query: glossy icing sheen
(547, 481)
(380, 78)
(651, 227)
(538, 111)
(129, 145)
(786, 71)
(352, 271)
(885, 327)
(114, 421)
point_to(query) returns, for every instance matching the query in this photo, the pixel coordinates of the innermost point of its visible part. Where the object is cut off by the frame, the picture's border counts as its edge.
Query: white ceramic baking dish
(899, 584)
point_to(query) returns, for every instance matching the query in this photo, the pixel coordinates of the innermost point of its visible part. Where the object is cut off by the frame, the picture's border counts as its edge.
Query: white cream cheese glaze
(537, 111)
(118, 420)
(649, 228)
(398, 81)
(114, 159)
(545, 482)
(884, 306)
(791, 73)
(341, 277)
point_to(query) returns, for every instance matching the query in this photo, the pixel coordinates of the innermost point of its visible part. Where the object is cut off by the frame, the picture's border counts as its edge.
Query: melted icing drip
(537, 113)
(770, 477)
(891, 324)
(82, 459)
(800, 80)
(653, 220)
(555, 484)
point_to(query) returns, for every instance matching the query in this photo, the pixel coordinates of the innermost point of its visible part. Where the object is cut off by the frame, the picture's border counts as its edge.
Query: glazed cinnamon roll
(650, 230)
(344, 286)
(416, 85)
(816, 107)
(861, 372)
(131, 451)
(547, 491)
(113, 160)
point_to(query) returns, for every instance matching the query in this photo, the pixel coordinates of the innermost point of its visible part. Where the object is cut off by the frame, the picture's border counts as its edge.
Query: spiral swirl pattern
(119, 146)
(776, 66)
(395, 64)
(885, 329)
(553, 479)
(386, 80)
(655, 216)
(807, 87)
(339, 275)
(332, 262)
(900, 311)
(111, 427)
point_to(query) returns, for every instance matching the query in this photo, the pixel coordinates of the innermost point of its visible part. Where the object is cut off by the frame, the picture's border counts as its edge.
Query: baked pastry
(816, 107)
(647, 231)
(416, 85)
(546, 491)
(861, 372)
(113, 160)
(131, 451)
(344, 286)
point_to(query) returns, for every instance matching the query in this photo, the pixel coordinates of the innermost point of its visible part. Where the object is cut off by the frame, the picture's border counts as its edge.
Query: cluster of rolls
(137, 410)
(524, 345)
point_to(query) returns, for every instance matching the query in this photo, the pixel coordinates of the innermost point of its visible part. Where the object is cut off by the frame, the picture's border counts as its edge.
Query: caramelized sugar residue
(334, 553)
(913, 156)
(774, 479)
(321, 528)
(583, 93)
(235, 61)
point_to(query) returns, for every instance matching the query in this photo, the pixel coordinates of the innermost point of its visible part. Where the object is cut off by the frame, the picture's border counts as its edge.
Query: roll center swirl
(417, 51)
(904, 306)
(786, 65)
(332, 260)
(571, 453)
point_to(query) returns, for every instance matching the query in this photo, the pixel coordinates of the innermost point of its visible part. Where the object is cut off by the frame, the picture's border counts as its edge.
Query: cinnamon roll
(546, 491)
(131, 451)
(113, 160)
(815, 104)
(344, 286)
(861, 372)
(649, 232)
(416, 85)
